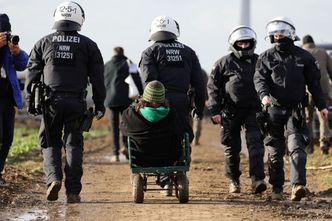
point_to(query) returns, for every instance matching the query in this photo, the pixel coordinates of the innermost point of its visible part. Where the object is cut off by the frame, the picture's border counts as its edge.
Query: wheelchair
(176, 174)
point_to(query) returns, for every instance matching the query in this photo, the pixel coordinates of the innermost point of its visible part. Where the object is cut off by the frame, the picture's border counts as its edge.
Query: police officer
(281, 76)
(65, 61)
(176, 66)
(233, 102)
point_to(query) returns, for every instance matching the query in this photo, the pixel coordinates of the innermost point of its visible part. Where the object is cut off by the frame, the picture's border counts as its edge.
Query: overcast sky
(204, 24)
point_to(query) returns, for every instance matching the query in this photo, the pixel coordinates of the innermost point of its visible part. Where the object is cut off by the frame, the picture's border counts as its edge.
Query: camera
(14, 39)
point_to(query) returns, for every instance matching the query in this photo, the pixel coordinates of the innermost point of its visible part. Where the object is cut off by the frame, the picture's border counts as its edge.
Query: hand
(31, 108)
(216, 119)
(3, 39)
(196, 114)
(14, 49)
(266, 101)
(324, 113)
(99, 111)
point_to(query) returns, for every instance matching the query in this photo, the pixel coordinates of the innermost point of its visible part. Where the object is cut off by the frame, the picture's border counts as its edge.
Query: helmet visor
(279, 27)
(241, 34)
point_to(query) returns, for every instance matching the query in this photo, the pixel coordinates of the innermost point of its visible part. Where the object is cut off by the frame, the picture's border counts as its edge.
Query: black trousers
(297, 138)
(63, 122)
(115, 122)
(7, 117)
(230, 137)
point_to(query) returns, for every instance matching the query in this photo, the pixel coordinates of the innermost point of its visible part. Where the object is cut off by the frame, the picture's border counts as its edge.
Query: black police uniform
(66, 61)
(283, 73)
(232, 95)
(177, 67)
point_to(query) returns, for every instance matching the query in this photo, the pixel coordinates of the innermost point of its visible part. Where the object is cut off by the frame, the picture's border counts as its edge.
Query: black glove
(99, 111)
(31, 107)
(195, 113)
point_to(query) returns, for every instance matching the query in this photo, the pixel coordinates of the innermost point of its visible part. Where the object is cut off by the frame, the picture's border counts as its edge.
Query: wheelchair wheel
(182, 187)
(138, 191)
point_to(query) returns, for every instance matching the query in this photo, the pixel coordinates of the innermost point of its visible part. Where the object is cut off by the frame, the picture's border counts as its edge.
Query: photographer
(12, 59)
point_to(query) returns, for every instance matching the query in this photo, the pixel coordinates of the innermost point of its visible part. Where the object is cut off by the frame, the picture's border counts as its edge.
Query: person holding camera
(12, 59)
(233, 103)
(65, 61)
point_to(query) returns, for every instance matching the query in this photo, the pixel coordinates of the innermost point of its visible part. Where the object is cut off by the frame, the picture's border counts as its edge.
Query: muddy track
(106, 193)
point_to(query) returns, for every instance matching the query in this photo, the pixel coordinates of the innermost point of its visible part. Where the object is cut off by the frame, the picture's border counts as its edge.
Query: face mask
(284, 44)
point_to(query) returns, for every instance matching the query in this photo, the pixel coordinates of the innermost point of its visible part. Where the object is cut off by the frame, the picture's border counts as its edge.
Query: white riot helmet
(68, 16)
(281, 25)
(164, 28)
(242, 33)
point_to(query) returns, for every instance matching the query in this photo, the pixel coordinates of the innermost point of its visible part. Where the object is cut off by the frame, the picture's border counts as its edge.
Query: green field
(25, 145)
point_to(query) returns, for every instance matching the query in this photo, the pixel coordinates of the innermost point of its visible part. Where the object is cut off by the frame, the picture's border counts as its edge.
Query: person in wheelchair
(152, 125)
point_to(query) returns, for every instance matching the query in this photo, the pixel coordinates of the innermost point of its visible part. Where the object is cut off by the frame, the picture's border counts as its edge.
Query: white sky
(204, 24)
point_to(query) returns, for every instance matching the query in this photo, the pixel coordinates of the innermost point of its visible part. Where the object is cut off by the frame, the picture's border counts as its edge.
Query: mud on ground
(106, 193)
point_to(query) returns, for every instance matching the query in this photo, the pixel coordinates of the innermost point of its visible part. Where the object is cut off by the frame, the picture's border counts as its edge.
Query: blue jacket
(11, 64)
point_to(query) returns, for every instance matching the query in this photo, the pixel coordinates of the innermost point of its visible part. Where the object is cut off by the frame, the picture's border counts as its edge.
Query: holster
(298, 115)
(263, 121)
(86, 121)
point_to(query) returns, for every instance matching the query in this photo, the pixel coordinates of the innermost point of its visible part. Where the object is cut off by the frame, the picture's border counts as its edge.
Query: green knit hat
(154, 92)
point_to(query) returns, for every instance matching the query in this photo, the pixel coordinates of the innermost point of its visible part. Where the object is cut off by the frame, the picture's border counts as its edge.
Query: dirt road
(106, 193)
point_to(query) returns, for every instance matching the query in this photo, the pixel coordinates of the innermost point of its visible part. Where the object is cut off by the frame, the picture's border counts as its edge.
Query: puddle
(31, 215)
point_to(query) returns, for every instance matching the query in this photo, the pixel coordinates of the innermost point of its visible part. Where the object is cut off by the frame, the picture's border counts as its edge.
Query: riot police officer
(65, 61)
(176, 66)
(233, 102)
(281, 76)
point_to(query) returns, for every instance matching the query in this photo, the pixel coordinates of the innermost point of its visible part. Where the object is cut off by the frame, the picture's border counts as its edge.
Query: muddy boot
(234, 186)
(258, 186)
(298, 192)
(277, 193)
(73, 198)
(115, 158)
(53, 191)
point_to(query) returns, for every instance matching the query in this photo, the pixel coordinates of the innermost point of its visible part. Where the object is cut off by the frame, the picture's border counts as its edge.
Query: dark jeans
(115, 121)
(7, 115)
(63, 124)
(281, 119)
(231, 138)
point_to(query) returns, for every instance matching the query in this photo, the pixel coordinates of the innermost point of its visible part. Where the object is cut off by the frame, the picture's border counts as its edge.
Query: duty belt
(68, 95)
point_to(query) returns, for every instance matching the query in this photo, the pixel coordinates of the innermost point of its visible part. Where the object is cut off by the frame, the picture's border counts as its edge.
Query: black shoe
(258, 186)
(277, 193)
(73, 198)
(53, 191)
(298, 192)
(234, 186)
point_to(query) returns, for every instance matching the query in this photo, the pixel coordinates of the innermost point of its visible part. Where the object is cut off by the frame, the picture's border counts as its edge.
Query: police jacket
(231, 84)
(115, 73)
(10, 64)
(176, 66)
(154, 143)
(283, 75)
(67, 61)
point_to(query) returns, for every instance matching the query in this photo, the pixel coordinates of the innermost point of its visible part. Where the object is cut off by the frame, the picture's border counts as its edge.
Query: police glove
(196, 114)
(31, 107)
(99, 111)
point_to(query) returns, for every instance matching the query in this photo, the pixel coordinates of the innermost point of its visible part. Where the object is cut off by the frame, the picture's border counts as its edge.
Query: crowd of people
(241, 85)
